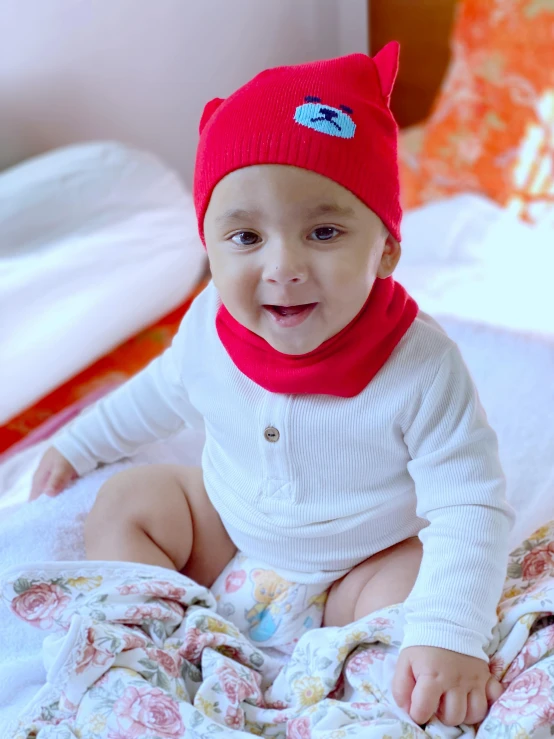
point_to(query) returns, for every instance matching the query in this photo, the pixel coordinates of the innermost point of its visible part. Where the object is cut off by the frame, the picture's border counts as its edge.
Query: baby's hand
(431, 681)
(53, 474)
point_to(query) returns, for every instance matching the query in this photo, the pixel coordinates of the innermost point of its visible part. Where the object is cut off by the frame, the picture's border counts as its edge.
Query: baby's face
(293, 254)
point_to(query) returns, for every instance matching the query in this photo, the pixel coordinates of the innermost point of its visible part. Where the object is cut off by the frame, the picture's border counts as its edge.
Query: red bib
(343, 365)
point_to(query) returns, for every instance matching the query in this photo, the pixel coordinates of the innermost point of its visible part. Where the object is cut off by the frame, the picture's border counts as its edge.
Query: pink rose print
(538, 561)
(236, 686)
(92, 655)
(176, 608)
(234, 581)
(148, 711)
(525, 696)
(361, 661)
(229, 679)
(194, 644)
(380, 623)
(165, 660)
(163, 590)
(128, 589)
(66, 705)
(196, 641)
(145, 612)
(155, 589)
(41, 604)
(277, 705)
(534, 650)
(364, 706)
(134, 641)
(234, 717)
(546, 716)
(299, 728)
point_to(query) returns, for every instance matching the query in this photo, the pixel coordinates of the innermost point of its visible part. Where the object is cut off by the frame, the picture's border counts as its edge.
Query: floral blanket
(136, 652)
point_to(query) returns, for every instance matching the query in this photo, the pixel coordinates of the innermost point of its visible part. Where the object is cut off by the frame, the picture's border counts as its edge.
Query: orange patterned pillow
(492, 128)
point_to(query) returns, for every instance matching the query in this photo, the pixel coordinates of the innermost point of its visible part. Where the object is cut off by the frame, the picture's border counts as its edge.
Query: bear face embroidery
(325, 118)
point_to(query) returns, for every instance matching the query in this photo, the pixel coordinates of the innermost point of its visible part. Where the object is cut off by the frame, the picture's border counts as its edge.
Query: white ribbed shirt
(348, 477)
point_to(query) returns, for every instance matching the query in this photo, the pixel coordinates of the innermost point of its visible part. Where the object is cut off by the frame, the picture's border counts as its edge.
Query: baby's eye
(245, 238)
(325, 233)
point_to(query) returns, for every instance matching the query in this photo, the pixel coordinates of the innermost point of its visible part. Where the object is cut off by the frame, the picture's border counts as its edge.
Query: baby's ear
(390, 258)
(209, 110)
(386, 62)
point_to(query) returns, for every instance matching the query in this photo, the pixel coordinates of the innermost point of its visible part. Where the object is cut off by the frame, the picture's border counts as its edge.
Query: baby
(345, 444)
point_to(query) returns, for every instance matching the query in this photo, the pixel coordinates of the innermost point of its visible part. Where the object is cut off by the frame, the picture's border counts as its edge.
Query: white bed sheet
(96, 242)
(486, 277)
(469, 259)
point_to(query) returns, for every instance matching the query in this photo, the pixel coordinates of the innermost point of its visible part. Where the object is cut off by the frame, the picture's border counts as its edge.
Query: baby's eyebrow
(238, 215)
(332, 209)
(241, 215)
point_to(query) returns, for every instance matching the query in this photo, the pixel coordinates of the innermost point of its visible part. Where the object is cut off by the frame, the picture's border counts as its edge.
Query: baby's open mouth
(290, 315)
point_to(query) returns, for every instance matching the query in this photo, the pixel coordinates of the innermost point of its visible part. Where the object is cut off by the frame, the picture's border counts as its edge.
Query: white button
(271, 434)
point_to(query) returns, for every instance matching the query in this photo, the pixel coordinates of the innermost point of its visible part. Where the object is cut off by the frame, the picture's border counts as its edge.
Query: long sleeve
(152, 405)
(460, 491)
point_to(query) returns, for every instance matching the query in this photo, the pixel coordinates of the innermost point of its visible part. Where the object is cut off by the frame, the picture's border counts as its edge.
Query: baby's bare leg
(159, 515)
(383, 580)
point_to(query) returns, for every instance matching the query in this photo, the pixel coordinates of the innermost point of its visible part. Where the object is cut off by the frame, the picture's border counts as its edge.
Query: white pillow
(96, 242)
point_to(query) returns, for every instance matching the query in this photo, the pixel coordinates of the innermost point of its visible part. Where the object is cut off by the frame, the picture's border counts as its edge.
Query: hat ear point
(386, 62)
(209, 110)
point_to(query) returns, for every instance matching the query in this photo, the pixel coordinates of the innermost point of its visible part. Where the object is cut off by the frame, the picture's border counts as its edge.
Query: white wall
(140, 70)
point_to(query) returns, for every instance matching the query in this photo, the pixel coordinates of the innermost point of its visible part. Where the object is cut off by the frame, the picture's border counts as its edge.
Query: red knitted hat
(331, 117)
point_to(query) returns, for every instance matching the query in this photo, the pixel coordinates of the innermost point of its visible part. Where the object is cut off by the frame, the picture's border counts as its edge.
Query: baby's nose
(285, 266)
(281, 277)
